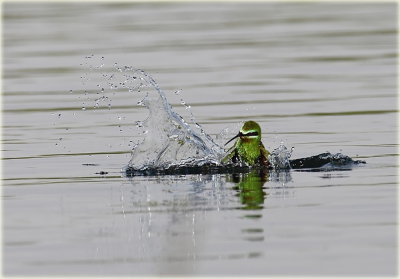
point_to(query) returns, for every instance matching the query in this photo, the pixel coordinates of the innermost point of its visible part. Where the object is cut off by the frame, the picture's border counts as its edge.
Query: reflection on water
(177, 218)
(250, 188)
(173, 222)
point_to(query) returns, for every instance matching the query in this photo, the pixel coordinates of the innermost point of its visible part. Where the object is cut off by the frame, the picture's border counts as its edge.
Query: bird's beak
(238, 135)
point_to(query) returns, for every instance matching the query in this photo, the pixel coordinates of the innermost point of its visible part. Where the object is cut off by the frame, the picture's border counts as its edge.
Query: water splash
(169, 139)
(325, 162)
(164, 138)
(171, 145)
(280, 156)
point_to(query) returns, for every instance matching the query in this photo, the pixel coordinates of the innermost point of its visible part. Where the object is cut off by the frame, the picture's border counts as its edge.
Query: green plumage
(248, 148)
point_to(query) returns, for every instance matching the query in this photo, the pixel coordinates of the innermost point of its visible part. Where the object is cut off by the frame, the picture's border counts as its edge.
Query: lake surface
(317, 76)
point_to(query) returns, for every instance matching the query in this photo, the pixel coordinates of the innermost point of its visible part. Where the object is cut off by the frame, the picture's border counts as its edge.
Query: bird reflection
(250, 188)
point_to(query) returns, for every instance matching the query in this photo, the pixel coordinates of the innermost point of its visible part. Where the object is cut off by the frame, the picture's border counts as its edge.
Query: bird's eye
(251, 134)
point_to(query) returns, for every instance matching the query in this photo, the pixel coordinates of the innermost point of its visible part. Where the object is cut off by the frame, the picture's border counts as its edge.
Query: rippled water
(317, 76)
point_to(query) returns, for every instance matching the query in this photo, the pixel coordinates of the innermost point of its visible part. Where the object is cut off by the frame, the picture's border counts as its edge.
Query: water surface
(317, 76)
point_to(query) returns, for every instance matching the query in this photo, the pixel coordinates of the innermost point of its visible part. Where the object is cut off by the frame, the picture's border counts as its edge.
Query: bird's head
(249, 132)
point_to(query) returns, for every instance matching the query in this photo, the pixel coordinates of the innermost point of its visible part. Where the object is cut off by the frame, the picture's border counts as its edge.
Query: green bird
(248, 148)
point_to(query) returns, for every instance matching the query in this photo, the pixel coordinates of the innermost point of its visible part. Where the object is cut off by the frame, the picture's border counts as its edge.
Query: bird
(248, 148)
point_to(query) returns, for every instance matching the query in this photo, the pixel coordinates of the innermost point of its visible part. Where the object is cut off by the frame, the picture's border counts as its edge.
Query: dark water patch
(253, 230)
(342, 58)
(378, 145)
(325, 161)
(331, 58)
(208, 168)
(233, 84)
(57, 109)
(50, 52)
(271, 91)
(354, 33)
(39, 71)
(365, 112)
(354, 185)
(287, 100)
(65, 155)
(34, 181)
(343, 113)
(58, 93)
(189, 46)
(241, 102)
(317, 163)
(382, 155)
(304, 133)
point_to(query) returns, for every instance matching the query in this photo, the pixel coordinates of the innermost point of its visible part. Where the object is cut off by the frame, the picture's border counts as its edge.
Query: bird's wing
(264, 151)
(264, 156)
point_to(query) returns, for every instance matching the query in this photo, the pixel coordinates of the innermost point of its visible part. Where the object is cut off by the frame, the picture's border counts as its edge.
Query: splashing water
(171, 145)
(169, 140)
(325, 161)
(280, 156)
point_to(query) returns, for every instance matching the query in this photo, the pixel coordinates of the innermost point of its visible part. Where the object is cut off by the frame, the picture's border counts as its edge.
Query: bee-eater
(248, 148)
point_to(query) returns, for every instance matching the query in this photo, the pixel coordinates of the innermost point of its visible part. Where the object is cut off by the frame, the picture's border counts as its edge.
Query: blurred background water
(317, 76)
